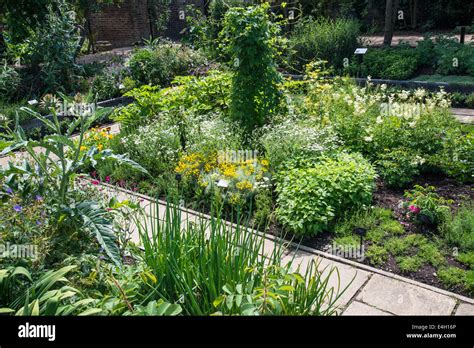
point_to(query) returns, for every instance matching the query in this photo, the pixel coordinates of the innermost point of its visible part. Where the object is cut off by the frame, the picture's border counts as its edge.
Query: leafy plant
(312, 195)
(457, 229)
(160, 64)
(255, 96)
(425, 206)
(207, 267)
(326, 39)
(9, 81)
(54, 173)
(377, 255)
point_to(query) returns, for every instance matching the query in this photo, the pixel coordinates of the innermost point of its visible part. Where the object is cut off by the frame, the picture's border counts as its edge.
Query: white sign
(361, 51)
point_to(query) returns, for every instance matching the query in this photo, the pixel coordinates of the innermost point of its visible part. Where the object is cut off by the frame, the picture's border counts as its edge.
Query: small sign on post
(359, 52)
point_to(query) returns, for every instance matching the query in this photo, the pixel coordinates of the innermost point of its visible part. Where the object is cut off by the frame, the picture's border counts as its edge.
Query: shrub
(426, 207)
(467, 259)
(458, 229)
(159, 65)
(398, 63)
(54, 48)
(254, 95)
(331, 40)
(311, 197)
(155, 146)
(447, 50)
(456, 158)
(291, 139)
(397, 168)
(9, 82)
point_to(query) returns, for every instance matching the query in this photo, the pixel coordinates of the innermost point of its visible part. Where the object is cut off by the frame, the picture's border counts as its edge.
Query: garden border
(306, 249)
(35, 123)
(410, 84)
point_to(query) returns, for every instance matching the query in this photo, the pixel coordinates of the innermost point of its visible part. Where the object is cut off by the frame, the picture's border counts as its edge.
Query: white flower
(368, 138)
(32, 102)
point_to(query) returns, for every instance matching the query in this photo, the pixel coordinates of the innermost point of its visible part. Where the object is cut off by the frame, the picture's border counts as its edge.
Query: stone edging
(308, 249)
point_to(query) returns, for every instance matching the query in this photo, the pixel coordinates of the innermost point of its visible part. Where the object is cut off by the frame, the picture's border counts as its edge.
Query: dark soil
(390, 199)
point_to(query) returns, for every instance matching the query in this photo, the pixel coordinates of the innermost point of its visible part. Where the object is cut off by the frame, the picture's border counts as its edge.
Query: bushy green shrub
(250, 36)
(54, 48)
(458, 230)
(397, 168)
(457, 156)
(158, 65)
(425, 206)
(290, 139)
(398, 63)
(310, 197)
(9, 82)
(448, 52)
(331, 40)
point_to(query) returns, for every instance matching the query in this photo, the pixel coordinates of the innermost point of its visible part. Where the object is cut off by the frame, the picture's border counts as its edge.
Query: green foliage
(446, 50)
(9, 82)
(376, 255)
(408, 264)
(326, 39)
(204, 30)
(425, 206)
(197, 95)
(210, 268)
(457, 230)
(158, 65)
(54, 47)
(312, 196)
(457, 156)
(290, 139)
(53, 174)
(250, 36)
(398, 63)
(397, 168)
(457, 278)
(467, 259)
(263, 207)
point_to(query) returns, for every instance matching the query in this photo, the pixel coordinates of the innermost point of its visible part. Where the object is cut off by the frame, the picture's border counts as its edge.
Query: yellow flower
(264, 162)
(244, 185)
(83, 148)
(100, 147)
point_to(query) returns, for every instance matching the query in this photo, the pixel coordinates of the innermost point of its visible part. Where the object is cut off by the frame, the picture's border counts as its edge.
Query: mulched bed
(390, 199)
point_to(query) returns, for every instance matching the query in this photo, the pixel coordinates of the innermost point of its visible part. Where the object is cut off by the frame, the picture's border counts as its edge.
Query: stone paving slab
(400, 298)
(342, 276)
(359, 308)
(465, 309)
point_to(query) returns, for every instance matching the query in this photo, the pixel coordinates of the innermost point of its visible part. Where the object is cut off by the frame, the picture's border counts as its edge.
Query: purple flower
(9, 191)
(38, 198)
(38, 222)
(17, 208)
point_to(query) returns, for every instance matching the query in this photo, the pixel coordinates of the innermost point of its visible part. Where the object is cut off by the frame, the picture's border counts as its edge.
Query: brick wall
(126, 24)
(121, 25)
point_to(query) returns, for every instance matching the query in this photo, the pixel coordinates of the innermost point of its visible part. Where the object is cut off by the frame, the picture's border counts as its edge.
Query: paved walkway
(372, 291)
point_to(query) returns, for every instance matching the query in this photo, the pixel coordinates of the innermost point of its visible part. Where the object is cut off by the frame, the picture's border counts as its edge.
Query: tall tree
(391, 9)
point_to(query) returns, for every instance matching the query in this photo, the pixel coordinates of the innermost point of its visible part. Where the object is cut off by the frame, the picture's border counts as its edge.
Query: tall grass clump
(210, 267)
(326, 39)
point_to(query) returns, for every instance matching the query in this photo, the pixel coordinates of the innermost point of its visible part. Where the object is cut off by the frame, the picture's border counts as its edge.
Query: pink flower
(95, 182)
(107, 179)
(414, 209)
